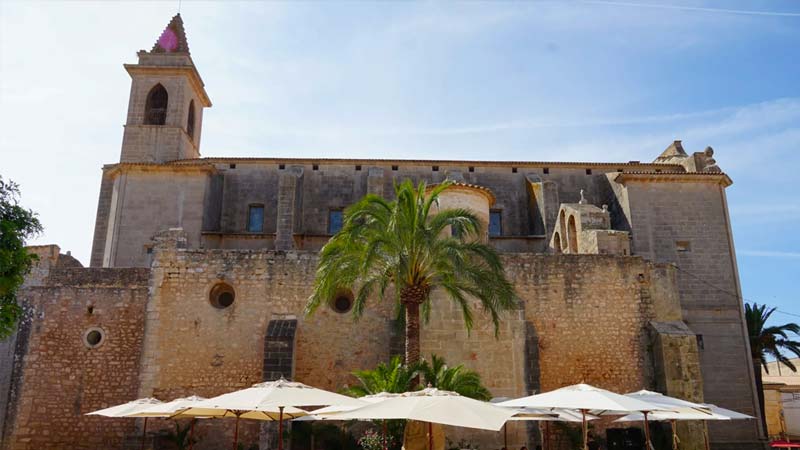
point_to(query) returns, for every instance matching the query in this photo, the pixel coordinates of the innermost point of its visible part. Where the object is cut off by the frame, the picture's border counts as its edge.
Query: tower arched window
(155, 109)
(190, 120)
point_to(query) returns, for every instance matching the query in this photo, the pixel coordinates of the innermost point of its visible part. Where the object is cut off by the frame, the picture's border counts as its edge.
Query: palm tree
(402, 244)
(766, 341)
(456, 379)
(393, 377)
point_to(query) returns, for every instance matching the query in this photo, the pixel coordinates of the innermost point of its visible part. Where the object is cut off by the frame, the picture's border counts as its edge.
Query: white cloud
(768, 254)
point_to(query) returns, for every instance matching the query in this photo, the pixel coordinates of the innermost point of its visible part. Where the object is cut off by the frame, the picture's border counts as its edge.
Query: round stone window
(222, 296)
(94, 337)
(342, 302)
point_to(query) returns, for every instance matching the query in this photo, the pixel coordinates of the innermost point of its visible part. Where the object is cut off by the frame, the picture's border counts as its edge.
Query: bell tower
(165, 109)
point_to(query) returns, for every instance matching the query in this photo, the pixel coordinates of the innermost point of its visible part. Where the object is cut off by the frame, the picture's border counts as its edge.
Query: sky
(543, 81)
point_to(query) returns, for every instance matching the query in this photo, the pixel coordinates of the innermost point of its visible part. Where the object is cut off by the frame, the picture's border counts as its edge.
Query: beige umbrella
(128, 410)
(545, 416)
(170, 409)
(586, 399)
(434, 406)
(272, 400)
(329, 412)
(676, 405)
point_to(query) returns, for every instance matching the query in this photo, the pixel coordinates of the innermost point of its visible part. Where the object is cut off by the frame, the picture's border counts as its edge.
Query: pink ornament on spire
(168, 40)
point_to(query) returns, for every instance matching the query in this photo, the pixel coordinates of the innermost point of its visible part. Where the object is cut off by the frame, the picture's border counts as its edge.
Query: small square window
(513, 170)
(495, 223)
(315, 167)
(546, 170)
(435, 168)
(358, 167)
(335, 220)
(619, 170)
(255, 219)
(700, 344)
(232, 166)
(281, 166)
(472, 168)
(588, 171)
(394, 167)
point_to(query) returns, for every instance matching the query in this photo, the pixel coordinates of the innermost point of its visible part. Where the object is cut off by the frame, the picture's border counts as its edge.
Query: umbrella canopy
(168, 409)
(667, 402)
(679, 414)
(126, 409)
(549, 415)
(585, 398)
(272, 400)
(726, 412)
(326, 412)
(434, 406)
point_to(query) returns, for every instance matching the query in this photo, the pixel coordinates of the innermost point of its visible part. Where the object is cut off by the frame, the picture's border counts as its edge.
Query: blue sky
(571, 80)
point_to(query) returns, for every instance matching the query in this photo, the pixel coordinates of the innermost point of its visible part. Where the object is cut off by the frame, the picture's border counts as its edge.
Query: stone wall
(194, 348)
(318, 186)
(58, 377)
(683, 219)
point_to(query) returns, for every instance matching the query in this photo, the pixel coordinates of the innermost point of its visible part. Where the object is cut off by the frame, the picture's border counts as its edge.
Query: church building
(201, 267)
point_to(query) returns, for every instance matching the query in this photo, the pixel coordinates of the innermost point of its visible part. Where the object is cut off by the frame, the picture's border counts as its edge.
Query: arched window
(155, 110)
(562, 224)
(572, 235)
(557, 242)
(190, 120)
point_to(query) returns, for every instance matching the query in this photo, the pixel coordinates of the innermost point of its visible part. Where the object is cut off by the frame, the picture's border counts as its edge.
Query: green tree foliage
(393, 377)
(768, 341)
(458, 379)
(407, 245)
(17, 224)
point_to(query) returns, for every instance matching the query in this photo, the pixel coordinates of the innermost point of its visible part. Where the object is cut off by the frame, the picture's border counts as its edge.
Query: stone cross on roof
(173, 38)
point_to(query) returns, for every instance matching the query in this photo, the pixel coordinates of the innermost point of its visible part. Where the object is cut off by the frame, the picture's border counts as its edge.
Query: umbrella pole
(430, 436)
(144, 432)
(705, 434)
(674, 435)
(384, 434)
(585, 430)
(505, 436)
(546, 439)
(191, 434)
(647, 430)
(236, 433)
(280, 428)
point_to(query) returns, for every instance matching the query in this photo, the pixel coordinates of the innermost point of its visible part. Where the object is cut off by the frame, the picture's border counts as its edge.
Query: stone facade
(626, 275)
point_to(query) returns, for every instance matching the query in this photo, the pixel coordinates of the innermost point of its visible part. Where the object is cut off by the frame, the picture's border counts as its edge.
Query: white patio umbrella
(680, 410)
(170, 409)
(586, 399)
(328, 413)
(545, 416)
(434, 406)
(272, 400)
(716, 410)
(127, 410)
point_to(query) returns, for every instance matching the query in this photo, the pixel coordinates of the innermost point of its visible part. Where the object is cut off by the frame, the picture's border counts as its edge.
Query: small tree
(768, 341)
(17, 224)
(405, 244)
(458, 379)
(392, 377)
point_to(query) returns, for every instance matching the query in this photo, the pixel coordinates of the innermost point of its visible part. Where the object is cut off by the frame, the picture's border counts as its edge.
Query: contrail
(694, 8)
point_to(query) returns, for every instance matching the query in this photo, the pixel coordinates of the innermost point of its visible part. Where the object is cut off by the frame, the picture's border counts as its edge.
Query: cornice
(674, 177)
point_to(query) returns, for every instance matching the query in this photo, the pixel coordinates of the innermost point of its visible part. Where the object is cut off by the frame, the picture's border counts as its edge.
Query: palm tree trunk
(760, 391)
(412, 333)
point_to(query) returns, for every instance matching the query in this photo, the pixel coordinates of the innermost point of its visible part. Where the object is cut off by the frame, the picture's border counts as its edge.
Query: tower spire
(173, 38)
